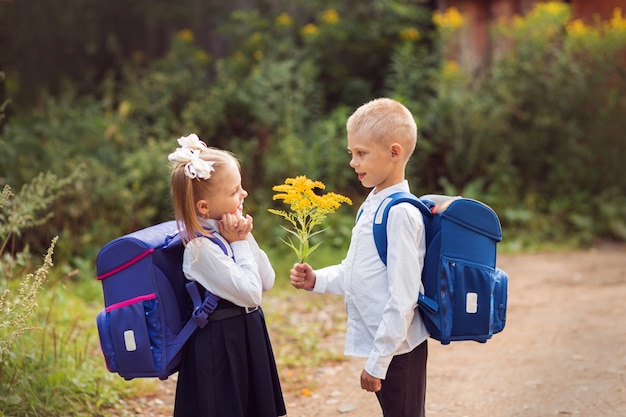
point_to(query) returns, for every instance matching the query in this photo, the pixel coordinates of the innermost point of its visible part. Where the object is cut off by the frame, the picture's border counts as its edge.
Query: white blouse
(240, 280)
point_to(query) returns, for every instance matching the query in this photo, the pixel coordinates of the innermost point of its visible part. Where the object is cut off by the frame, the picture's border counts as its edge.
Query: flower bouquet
(307, 210)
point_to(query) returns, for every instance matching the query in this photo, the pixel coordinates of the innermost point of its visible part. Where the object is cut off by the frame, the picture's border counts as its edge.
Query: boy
(384, 324)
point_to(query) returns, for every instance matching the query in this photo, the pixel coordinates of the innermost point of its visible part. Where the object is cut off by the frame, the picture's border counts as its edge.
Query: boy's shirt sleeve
(405, 260)
(330, 280)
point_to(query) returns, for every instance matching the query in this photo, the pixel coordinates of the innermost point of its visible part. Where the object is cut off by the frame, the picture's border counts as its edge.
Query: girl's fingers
(230, 220)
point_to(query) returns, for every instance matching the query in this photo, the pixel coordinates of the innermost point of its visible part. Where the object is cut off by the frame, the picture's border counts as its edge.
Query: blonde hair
(187, 191)
(385, 121)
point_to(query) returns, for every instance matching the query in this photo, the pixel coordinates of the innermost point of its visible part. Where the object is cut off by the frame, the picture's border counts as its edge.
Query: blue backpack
(465, 295)
(148, 315)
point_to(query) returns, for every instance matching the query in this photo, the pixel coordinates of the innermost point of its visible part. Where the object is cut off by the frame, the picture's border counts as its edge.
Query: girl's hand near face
(234, 226)
(245, 225)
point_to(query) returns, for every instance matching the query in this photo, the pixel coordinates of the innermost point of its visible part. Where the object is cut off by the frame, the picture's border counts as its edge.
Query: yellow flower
(307, 210)
(330, 16)
(256, 38)
(544, 21)
(284, 19)
(410, 34)
(185, 35)
(552, 13)
(618, 21)
(576, 28)
(450, 19)
(309, 30)
(451, 69)
(551, 7)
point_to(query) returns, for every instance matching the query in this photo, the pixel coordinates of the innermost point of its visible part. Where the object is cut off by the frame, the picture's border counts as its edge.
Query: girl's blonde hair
(187, 191)
(385, 121)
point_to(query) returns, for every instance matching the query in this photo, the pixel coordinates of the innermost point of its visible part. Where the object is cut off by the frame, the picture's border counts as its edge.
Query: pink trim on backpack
(126, 265)
(130, 301)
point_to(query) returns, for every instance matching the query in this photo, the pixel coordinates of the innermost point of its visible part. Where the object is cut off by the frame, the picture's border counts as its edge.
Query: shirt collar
(210, 224)
(378, 197)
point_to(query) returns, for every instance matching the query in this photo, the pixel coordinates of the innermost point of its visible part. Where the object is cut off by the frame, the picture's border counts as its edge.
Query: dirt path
(562, 353)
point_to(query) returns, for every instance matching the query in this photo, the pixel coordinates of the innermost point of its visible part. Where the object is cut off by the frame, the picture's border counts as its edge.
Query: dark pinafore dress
(228, 368)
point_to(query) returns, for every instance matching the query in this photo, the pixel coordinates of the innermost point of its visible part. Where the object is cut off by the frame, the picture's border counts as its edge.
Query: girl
(228, 367)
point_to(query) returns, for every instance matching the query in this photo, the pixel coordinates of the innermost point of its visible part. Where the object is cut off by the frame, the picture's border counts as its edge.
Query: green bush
(563, 91)
(537, 134)
(48, 365)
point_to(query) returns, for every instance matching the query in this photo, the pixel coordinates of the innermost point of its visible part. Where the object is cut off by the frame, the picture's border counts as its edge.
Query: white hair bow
(189, 154)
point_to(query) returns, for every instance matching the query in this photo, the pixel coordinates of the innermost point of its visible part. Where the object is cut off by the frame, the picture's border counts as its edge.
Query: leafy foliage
(535, 135)
(563, 116)
(15, 311)
(281, 88)
(46, 358)
(538, 135)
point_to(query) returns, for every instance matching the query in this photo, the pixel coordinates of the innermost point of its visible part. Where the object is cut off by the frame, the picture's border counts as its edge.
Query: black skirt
(228, 370)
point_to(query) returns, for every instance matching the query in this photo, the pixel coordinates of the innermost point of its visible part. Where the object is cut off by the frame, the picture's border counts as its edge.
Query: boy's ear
(203, 207)
(396, 150)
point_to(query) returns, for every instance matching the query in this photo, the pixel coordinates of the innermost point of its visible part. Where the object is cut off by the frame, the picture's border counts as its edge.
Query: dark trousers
(403, 392)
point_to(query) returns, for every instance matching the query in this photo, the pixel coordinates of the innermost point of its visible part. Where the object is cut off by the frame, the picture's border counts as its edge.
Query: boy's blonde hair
(385, 121)
(187, 191)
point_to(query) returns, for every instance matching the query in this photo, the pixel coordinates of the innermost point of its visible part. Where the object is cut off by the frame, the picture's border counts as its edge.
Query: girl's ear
(203, 207)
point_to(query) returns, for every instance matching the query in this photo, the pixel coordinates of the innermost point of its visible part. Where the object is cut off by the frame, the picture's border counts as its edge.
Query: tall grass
(49, 359)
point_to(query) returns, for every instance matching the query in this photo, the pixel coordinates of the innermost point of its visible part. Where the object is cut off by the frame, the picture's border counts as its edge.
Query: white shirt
(240, 281)
(381, 300)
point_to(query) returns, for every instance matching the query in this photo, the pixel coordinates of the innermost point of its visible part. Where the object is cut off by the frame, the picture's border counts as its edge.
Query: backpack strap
(202, 308)
(380, 231)
(382, 213)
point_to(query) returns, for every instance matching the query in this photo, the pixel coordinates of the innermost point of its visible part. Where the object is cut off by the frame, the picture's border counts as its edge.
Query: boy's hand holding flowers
(307, 210)
(302, 277)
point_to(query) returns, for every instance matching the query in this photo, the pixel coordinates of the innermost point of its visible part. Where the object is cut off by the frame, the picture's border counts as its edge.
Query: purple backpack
(151, 309)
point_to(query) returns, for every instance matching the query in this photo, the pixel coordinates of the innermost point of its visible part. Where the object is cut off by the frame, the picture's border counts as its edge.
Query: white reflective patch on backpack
(129, 341)
(380, 212)
(471, 303)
